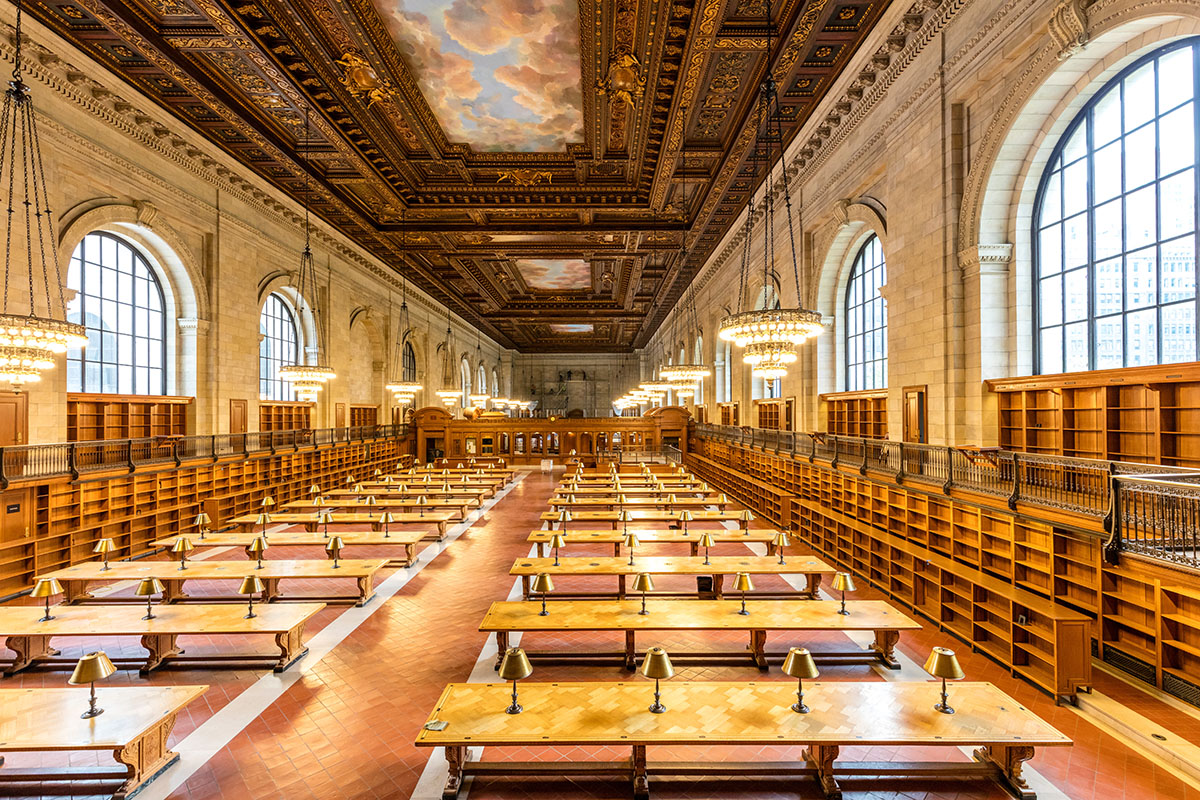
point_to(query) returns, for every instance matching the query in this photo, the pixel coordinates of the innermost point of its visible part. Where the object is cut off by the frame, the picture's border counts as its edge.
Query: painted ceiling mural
(499, 74)
(572, 327)
(555, 275)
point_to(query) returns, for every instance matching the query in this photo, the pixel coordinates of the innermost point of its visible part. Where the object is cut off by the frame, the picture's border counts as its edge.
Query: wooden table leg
(456, 756)
(814, 585)
(617, 549)
(641, 782)
(441, 528)
(28, 650)
(630, 649)
(310, 527)
(270, 589)
(821, 758)
(74, 591)
(409, 554)
(365, 593)
(758, 649)
(885, 647)
(541, 549)
(159, 646)
(620, 587)
(291, 648)
(501, 647)
(145, 757)
(718, 586)
(694, 548)
(525, 587)
(1011, 761)
(173, 590)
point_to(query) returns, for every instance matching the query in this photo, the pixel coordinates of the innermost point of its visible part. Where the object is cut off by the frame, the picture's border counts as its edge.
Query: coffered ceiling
(534, 164)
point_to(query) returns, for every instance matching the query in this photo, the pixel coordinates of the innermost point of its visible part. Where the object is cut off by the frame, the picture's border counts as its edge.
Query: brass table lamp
(843, 582)
(942, 663)
(267, 503)
(685, 516)
(421, 502)
(314, 490)
(780, 541)
(46, 588)
(557, 541)
(625, 516)
(370, 500)
(102, 549)
(544, 585)
(334, 548)
(563, 518)
(515, 667)
(91, 668)
(386, 519)
(250, 585)
(323, 519)
(631, 544)
(201, 522)
(658, 666)
(800, 665)
(643, 583)
(357, 488)
(147, 588)
(256, 549)
(706, 541)
(183, 545)
(743, 584)
(621, 501)
(746, 517)
(263, 519)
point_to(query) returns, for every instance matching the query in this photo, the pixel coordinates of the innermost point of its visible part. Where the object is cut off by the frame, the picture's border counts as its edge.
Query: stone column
(192, 362)
(986, 335)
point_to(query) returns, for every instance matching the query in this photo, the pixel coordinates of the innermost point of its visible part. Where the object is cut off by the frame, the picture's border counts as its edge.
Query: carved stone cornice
(985, 259)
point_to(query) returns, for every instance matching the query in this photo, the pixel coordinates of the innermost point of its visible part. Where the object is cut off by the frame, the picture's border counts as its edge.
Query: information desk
(505, 618)
(672, 536)
(718, 567)
(134, 727)
(437, 519)
(647, 515)
(756, 714)
(30, 639)
(459, 507)
(408, 539)
(634, 503)
(75, 579)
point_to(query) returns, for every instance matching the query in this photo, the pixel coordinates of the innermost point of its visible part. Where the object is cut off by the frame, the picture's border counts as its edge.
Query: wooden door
(17, 516)
(339, 415)
(914, 414)
(14, 419)
(237, 416)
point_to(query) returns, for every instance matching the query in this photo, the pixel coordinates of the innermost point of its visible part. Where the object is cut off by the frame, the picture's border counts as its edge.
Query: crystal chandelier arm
(40, 179)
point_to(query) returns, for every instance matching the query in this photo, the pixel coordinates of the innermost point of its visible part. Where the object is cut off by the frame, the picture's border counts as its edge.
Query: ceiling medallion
(361, 80)
(524, 177)
(28, 342)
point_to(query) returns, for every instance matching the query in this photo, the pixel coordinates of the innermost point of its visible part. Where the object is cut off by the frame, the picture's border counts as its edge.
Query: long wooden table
(633, 503)
(438, 519)
(30, 639)
(459, 507)
(505, 618)
(756, 714)
(408, 539)
(506, 474)
(134, 727)
(646, 515)
(636, 483)
(470, 492)
(75, 579)
(411, 483)
(670, 536)
(718, 567)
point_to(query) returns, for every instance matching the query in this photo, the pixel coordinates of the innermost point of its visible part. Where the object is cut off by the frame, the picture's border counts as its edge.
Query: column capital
(985, 259)
(191, 326)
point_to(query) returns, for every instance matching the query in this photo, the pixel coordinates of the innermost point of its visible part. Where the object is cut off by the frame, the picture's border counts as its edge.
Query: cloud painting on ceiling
(499, 74)
(571, 328)
(555, 274)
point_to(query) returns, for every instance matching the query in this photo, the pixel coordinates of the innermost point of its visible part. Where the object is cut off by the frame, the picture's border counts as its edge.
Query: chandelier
(448, 396)
(29, 342)
(308, 379)
(403, 391)
(770, 333)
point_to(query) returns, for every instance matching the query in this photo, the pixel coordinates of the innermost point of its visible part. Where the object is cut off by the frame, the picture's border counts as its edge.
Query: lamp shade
(671, 499)
(182, 545)
(746, 515)
(268, 501)
(446, 488)
(104, 547)
(942, 663)
(91, 668)
(421, 500)
(780, 540)
(622, 499)
(843, 582)
(685, 515)
(46, 587)
(334, 545)
(370, 500)
(201, 519)
(631, 540)
(387, 517)
(515, 665)
(742, 582)
(625, 516)
(262, 519)
(564, 516)
(707, 540)
(318, 501)
(558, 540)
(643, 582)
(324, 517)
(251, 584)
(657, 664)
(799, 664)
(147, 587)
(357, 488)
(542, 583)
(314, 489)
(258, 546)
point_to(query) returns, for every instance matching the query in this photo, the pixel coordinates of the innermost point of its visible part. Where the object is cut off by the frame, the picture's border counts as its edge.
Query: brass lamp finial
(91, 668)
(658, 666)
(515, 667)
(800, 665)
(942, 663)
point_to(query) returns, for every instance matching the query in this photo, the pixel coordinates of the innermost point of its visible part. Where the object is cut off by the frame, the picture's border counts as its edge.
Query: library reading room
(600, 400)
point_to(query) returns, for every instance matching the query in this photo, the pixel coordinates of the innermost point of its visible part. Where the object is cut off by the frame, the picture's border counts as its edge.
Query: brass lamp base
(657, 708)
(800, 708)
(91, 712)
(943, 708)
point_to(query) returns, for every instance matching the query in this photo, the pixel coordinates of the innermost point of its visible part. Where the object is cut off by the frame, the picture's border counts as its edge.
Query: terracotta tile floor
(345, 728)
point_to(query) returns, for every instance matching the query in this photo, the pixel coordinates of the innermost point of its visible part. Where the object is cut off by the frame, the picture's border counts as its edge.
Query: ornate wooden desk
(75, 579)
(458, 507)
(134, 727)
(758, 714)
(30, 639)
(701, 518)
(671, 536)
(408, 539)
(634, 503)
(438, 519)
(608, 491)
(504, 618)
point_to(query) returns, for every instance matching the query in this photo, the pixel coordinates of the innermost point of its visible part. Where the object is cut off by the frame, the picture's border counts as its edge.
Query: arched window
(495, 383)
(464, 375)
(408, 364)
(698, 358)
(724, 370)
(481, 375)
(866, 320)
(277, 347)
(120, 301)
(1114, 224)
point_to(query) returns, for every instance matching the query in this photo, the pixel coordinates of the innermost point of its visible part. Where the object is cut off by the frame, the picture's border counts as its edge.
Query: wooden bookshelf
(284, 416)
(729, 413)
(363, 415)
(975, 567)
(92, 417)
(856, 414)
(1143, 414)
(775, 415)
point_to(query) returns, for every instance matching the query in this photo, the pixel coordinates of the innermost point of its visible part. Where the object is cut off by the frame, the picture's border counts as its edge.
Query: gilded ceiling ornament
(524, 177)
(624, 80)
(361, 80)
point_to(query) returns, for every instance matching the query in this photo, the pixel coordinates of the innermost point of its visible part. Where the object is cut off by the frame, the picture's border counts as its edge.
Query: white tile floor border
(217, 731)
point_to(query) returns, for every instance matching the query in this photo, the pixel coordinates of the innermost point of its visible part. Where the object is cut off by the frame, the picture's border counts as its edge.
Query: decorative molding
(191, 326)
(1069, 27)
(985, 259)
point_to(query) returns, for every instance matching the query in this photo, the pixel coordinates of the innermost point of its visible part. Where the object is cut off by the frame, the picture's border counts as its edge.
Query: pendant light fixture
(308, 379)
(771, 333)
(448, 394)
(29, 340)
(403, 390)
